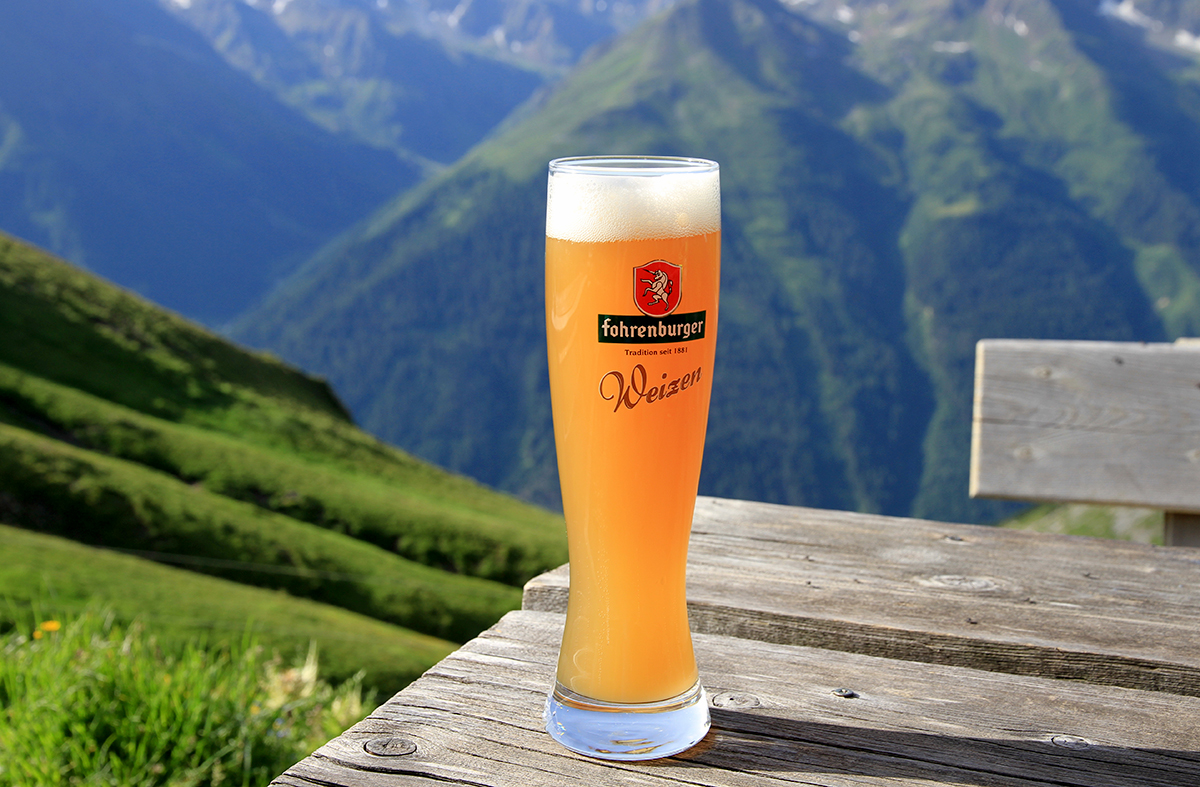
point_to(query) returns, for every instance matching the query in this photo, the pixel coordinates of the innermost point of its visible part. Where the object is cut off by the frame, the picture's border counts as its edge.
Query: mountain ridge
(517, 177)
(130, 147)
(898, 182)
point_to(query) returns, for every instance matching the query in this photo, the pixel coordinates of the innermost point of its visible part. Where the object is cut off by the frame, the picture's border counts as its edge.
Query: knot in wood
(391, 746)
(730, 699)
(1070, 742)
(958, 582)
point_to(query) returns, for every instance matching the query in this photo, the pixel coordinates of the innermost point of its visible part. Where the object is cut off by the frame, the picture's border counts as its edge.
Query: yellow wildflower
(37, 633)
(49, 625)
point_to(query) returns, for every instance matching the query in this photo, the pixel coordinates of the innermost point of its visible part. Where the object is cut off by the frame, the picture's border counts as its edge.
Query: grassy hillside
(124, 426)
(57, 488)
(64, 577)
(415, 513)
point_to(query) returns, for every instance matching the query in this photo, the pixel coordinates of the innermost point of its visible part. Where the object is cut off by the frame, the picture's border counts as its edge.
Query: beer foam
(591, 204)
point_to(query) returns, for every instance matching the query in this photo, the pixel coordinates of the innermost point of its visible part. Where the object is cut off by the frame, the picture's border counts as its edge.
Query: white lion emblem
(660, 287)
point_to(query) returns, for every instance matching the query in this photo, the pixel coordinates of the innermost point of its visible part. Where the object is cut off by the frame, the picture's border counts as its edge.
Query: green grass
(179, 606)
(266, 513)
(417, 517)
(57, 488)
(83, 332)
(85, 700)
(125, 426)
(68, 327)
(1142, 525)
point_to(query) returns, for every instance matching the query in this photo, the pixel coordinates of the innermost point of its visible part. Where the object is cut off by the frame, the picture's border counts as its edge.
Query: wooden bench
(1109, 423)
(846, 649)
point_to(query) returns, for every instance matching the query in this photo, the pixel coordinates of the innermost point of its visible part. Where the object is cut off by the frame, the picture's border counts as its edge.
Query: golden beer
(632, 289)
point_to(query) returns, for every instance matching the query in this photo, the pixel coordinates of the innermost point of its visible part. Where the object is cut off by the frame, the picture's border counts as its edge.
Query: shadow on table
(754, 742)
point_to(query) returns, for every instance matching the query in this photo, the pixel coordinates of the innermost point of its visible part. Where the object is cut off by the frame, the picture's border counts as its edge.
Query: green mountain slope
(899, 181)
(1051, 217)
(124, 426)
(65, 577)
(59, 489)
(456, 270)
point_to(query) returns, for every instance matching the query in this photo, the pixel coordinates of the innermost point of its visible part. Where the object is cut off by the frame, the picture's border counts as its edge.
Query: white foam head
(628, 198)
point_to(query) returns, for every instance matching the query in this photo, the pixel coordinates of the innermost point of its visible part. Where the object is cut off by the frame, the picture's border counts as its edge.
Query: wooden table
(847, 649)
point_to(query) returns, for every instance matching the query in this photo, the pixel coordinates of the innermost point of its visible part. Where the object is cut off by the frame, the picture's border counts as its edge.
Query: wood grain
(1093, 610)
(475, 719)
(1114, 423)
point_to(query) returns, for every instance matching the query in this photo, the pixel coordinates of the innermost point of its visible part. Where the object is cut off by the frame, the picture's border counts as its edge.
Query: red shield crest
(656, 287)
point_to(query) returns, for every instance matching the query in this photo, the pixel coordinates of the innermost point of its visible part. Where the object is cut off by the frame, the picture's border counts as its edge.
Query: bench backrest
(1112, 423)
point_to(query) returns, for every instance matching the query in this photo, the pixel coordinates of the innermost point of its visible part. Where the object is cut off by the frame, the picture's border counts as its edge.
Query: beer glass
(632, 284)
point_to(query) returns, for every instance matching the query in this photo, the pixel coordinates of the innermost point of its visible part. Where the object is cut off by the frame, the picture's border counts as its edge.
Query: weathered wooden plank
(1103, 422)
(475, 719)
(1024, 603)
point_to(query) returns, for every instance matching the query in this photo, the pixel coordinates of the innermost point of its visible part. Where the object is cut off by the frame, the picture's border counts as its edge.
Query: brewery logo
(656, 287)
(657, 290)
(641, 329)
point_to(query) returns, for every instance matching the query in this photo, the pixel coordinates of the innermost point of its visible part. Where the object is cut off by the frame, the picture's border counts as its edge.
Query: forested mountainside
(127, 145)
(899, 179)
(197, 150)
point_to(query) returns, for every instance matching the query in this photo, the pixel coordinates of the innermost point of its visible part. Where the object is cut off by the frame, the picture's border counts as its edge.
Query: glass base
(627, 731)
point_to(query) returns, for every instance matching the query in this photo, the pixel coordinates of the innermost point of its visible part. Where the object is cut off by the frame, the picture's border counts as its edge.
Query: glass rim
(632, 165)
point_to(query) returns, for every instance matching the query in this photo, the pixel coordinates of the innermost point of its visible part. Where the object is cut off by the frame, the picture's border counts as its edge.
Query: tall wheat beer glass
(632, 280)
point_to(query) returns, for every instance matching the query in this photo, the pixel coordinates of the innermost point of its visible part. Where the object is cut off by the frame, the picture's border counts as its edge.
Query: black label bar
(641, 329)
